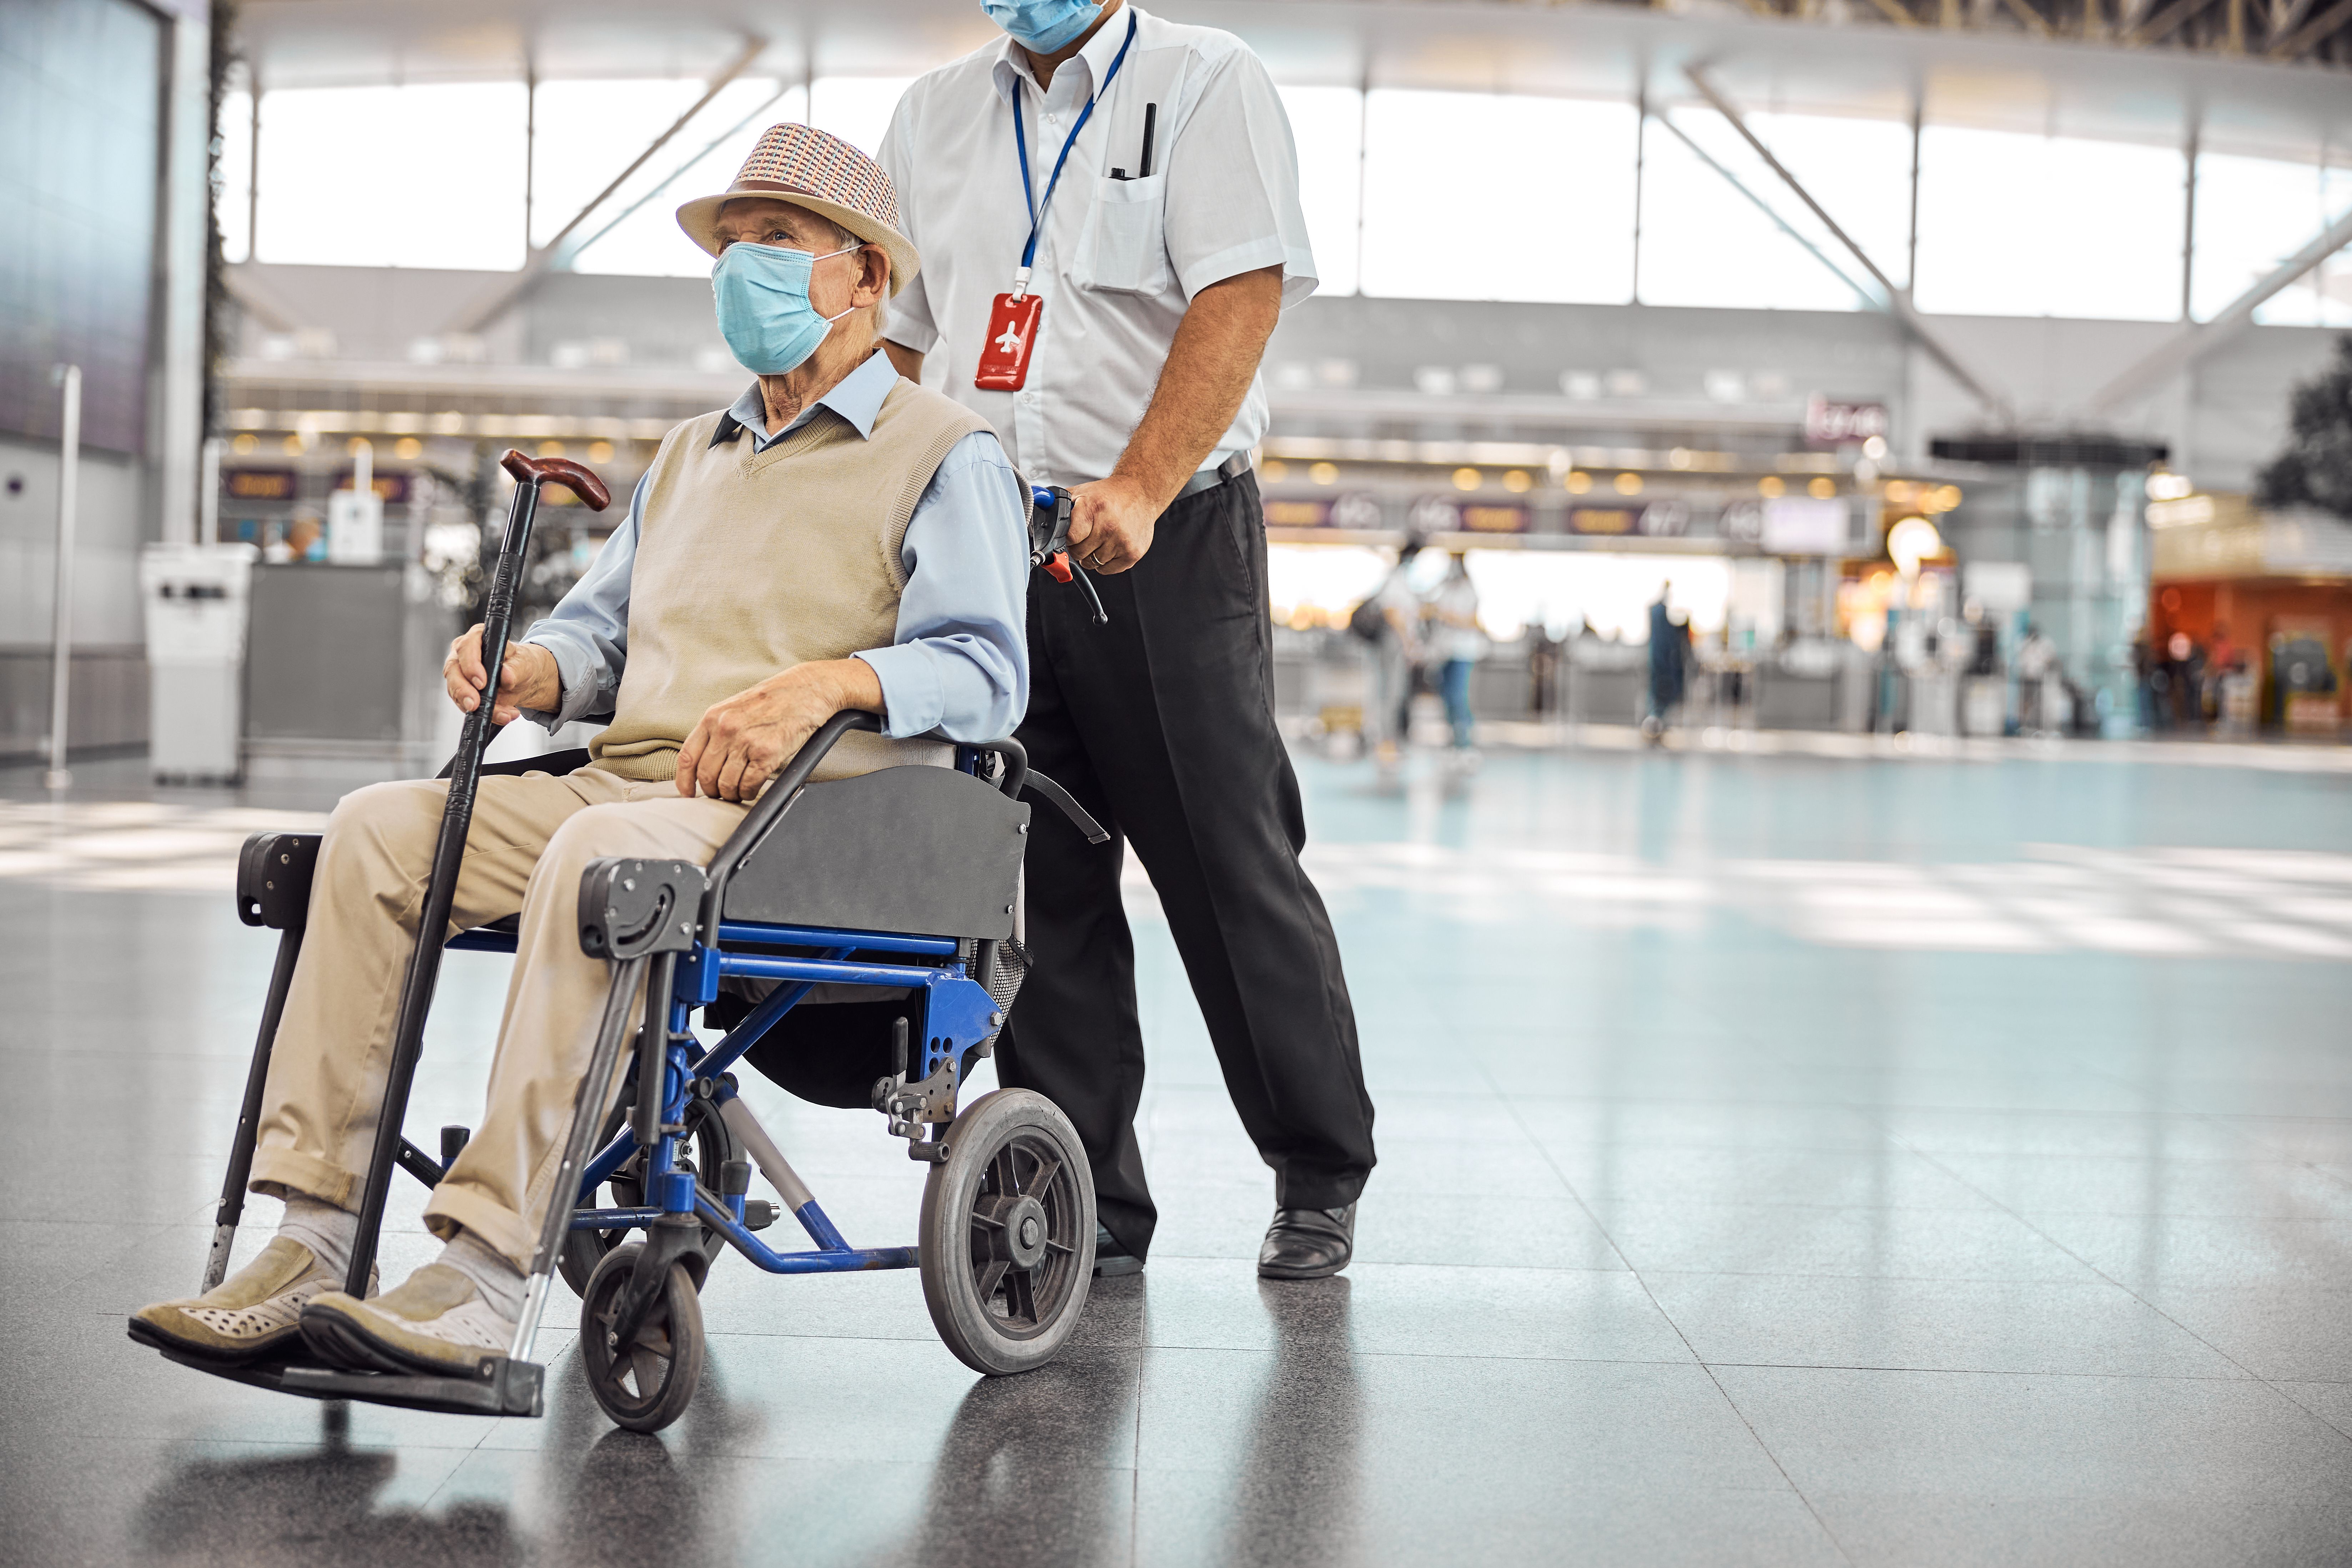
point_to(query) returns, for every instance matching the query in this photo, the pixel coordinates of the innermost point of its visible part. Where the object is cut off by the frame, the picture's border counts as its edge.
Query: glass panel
(2047, 226)
(2252, 215)
(857, 108)
(1327, 124)
(80, 89)
(1477, 197)
(393, 176)
(1704, 243)
(636, 231)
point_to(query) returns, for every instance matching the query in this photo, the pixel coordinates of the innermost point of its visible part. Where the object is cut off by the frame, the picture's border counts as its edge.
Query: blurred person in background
(1545, 655)
(1389, 623)
(1669, 665)
(2037, 659)
(1108, 209)
(1457, 644)
(2185, 675)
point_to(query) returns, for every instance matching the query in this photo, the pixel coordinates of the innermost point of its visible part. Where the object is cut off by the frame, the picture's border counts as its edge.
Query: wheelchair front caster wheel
(1008, 1233)
(647, 1383)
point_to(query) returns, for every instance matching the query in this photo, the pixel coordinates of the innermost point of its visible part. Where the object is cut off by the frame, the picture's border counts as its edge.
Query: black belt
(1233, 467)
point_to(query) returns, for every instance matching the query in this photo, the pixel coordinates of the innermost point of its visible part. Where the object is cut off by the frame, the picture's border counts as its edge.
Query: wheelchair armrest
(273, 878)
(631, 908)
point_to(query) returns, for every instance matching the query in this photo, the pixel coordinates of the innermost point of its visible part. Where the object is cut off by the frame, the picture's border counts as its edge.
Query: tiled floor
(1785, 1158)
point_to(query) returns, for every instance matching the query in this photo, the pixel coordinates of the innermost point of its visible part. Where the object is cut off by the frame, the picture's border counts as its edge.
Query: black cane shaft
(587, 1114)
(256, 1079)
(653, 1052)
(440, 892)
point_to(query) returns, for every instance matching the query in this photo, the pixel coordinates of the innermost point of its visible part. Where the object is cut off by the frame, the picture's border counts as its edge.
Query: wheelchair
(904, 881)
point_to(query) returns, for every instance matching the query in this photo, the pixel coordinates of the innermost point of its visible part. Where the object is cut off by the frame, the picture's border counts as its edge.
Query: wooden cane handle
(579, 481)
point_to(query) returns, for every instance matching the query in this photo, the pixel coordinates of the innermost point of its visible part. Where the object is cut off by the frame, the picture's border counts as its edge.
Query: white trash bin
(195, 597)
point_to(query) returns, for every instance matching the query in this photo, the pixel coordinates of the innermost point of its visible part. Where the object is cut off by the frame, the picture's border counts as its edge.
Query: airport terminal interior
(1807, 593)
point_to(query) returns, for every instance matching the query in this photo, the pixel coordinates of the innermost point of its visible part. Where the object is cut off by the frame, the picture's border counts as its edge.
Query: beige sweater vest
(749, 563)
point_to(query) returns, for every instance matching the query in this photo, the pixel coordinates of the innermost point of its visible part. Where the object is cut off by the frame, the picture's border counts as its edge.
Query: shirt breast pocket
(1124, 248)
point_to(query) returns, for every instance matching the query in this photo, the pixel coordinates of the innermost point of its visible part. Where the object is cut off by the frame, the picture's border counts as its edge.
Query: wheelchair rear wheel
(1008, 1233)
(710, 1143)
(647, 1383)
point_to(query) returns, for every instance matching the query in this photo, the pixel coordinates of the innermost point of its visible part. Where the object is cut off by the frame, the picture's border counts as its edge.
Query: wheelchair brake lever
(1049, 542)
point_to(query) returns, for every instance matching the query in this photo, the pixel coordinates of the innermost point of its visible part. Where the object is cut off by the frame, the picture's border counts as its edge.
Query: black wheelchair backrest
(921, 850)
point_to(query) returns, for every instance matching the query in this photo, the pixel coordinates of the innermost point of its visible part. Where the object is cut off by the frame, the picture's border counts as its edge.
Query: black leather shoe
(1307, 1244)
(1111, 1259)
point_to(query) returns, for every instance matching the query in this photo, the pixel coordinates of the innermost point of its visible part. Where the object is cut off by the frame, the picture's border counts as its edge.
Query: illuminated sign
(1829, 424)
(1297, 513)
(1481, 519)
(393, 487)
(1604, 519)
(258, 484)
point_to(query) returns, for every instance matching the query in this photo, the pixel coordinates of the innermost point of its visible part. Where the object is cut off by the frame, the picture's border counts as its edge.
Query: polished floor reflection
(1785, 1158)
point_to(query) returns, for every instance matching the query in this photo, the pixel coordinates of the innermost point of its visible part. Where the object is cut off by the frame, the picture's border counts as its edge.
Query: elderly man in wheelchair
(814, 590)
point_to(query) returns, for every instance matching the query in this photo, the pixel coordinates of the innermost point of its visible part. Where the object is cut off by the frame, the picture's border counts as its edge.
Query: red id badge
(1011, 333)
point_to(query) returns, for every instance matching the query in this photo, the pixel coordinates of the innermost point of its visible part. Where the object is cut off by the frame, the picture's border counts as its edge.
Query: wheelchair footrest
(505, 1387)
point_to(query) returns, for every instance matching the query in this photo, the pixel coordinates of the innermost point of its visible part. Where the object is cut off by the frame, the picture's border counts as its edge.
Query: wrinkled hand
(1111, 523)
(740, 742)
(527, 678)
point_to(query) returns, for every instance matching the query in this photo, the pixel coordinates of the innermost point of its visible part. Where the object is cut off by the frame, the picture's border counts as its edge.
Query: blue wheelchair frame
(959, 1014)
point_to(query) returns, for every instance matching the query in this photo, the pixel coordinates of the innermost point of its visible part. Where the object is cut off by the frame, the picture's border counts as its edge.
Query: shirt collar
(856, 397)
(1096, 55)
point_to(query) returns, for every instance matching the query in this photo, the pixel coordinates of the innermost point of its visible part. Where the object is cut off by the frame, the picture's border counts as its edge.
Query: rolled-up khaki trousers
(531, 837)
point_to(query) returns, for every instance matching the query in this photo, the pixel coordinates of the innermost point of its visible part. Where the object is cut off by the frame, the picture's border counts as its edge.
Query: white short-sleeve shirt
(1118, 259)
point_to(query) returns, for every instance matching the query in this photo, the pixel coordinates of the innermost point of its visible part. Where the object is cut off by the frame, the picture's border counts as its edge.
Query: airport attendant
(1107, 208)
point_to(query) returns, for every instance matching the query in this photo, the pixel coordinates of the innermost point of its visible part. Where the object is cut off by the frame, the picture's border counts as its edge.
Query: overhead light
(1324, 473)
(1629, 484)
(1468, 478)
(1911, 542)
(2170, 487)
(1771, 485)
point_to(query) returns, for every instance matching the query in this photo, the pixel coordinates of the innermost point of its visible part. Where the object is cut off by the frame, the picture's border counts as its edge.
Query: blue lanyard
(1021, 141)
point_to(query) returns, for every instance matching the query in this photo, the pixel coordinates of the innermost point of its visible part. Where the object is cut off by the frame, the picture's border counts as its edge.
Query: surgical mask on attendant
(761, 292)
(1042, 26)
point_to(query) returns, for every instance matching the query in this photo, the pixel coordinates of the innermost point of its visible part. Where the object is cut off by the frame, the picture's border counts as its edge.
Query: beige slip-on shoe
(254, 1314)
(436, 1323)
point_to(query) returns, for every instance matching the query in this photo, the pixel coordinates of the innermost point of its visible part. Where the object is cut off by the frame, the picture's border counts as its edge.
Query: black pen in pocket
(1150, 119)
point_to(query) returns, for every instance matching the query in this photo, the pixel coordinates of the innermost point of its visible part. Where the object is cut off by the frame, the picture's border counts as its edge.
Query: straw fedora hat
(808, 168)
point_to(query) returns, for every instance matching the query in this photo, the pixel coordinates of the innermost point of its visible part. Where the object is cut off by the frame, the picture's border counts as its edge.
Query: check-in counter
(342, 667)
(1786, 700)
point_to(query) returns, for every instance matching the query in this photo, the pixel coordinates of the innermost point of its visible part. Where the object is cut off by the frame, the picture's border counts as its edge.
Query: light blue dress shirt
(959, 665)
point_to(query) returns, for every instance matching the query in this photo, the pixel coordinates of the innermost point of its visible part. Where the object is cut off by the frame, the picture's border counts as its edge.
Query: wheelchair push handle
(1049, 542)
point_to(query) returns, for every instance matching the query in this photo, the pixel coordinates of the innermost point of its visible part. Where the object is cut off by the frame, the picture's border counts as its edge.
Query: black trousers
(1161, 724)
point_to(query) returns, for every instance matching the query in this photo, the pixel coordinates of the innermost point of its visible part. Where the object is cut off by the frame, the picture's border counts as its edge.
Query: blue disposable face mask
(1043, 25)
(761, 292)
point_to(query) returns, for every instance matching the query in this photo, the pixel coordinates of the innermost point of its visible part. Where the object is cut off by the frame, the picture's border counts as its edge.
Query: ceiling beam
(2032, 18)
(1870, 300)
(1899, 300)
(2159, 26)
(2186, 347)
(512, 291)
(2317, 31)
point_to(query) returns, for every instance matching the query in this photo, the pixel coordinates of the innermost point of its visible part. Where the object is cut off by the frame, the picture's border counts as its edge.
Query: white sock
(498, 1280)
(325, 1229)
